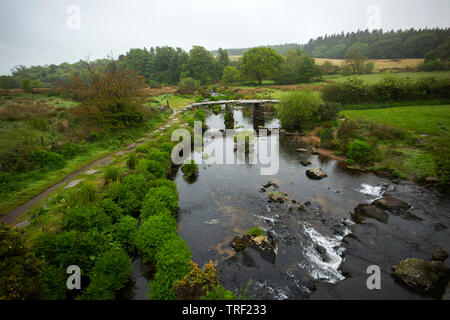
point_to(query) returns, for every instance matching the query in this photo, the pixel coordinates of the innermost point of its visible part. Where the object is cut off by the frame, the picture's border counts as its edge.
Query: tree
(299, 107)
(222, 60)
(260, 63)
(230, 75)
(200, 65)
(26, 85)
(110, 95)
(355, 61)
(298, 67)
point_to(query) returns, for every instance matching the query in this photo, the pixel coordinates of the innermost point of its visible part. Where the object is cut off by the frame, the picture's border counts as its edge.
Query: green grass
(412, 158)
(429, 120)
(376, 77)
(32, 183)
(175, 100)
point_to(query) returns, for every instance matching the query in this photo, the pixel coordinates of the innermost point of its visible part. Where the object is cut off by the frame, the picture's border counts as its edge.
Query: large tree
(201, 65)
(260, 63)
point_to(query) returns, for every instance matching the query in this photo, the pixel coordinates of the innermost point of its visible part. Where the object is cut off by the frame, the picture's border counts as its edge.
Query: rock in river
(390, 203)
(305, 163)
(316, 173)
(422, 276)
(370, 211)
(439, 255)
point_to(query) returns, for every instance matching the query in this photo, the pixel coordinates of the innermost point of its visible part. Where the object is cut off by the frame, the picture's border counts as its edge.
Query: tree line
(376, 44)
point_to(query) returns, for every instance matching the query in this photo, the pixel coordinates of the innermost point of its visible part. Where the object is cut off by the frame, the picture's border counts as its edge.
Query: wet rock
(314, 151)
(240, 243)
(271, 184)
(323, 253)
(439, 255)
(305, 163)
(276, 196)
(301, 208)
(422, 276)
(302, 150)
(316, 173)
(370, 211)
(390, 203)
(262, 189)
(307, 203)
(439, 227)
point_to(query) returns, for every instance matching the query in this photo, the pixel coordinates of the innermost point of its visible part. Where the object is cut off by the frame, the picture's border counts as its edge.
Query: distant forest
(376, 44)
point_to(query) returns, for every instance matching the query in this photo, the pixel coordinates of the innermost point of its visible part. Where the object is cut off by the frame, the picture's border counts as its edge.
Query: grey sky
(36, 31)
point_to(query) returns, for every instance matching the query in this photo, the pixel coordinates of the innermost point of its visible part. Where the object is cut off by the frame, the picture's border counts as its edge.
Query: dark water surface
(225, 201)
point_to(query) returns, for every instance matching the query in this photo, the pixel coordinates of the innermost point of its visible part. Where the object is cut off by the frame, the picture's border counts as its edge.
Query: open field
(376, 77)
(382, 64)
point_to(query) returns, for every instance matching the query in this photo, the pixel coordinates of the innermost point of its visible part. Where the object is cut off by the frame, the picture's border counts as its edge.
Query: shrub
(20, 270)
(298, 107)
(68, 248)
(156, 168)
(325, 134)
(197, 283)
(54, 283)
(153, 206)
(348, 129)
(360, 151)
(219, 293)
(188, 86)
(173, 263)
(111, 209)
(167, 195)
(111, 272)
(254, 232)
(162, 157)
(47, 160)
(85, 218)
(141, 149)
(230, 75)
(328, 111)
(190, 170)
(112, 174)
(136, 183)
(131, 161)
(125, 232)
(163, 182)
(153, 232)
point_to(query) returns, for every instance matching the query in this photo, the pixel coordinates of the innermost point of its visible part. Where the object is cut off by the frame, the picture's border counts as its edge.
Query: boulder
(390, 203)
(240, 243)
(422, 276)
(302, 150)
(439, 255)
(316, 173)
(270, 184)
(314, 151)
(323, 253)
(370, 211)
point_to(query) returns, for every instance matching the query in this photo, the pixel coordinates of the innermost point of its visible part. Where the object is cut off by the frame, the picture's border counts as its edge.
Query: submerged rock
(270, 184)
(370, 211)
(426, 277)
(439, 227)
(439, 255)
(316, 173)
(276, 196)
(305, 163)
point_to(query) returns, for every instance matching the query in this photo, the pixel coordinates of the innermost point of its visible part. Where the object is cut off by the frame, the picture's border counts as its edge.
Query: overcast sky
(51, 31)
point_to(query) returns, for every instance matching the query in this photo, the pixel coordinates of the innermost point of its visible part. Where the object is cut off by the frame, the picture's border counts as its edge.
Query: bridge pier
(229, 116)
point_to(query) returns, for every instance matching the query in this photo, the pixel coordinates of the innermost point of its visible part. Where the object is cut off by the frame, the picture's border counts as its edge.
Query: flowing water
(226, 200)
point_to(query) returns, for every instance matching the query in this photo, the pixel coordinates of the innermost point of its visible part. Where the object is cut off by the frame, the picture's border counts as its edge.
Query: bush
(46, 160)
(190, 170)
(360, 151)
(173, 263)
(20, 270)
(298, 107)
(54, 283)
(131, 161)
(219, 293)
(111, 209)
(110, 274)
(68, 248)
(230, 75)
(156, 168)
(153, 232)
(197, 283)
(112, 174)
(124, 233)
(325, 134)
(85, 218)
(188, 86)
(153, 206)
